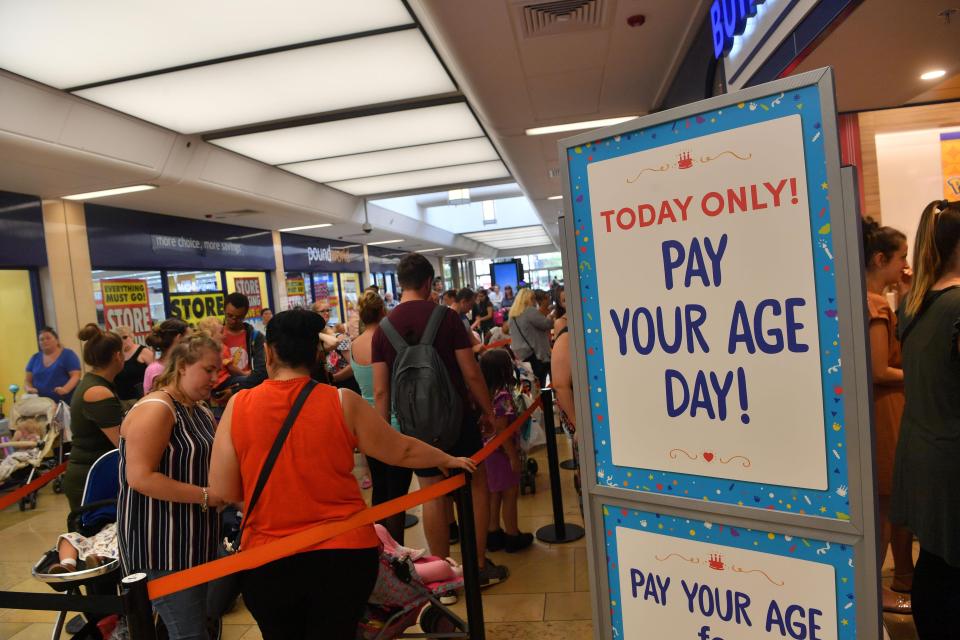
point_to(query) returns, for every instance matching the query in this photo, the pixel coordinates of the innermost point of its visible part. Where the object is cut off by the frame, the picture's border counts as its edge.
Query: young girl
(503, 465)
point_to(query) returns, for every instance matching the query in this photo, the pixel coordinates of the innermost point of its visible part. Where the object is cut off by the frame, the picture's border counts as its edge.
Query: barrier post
(137, 607)
(559, 532)
(471, 563)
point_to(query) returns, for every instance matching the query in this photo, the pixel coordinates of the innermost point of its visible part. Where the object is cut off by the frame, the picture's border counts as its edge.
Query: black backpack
(424, 399)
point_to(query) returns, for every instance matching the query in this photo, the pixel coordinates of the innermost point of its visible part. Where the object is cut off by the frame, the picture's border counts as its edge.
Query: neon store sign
(728, 19)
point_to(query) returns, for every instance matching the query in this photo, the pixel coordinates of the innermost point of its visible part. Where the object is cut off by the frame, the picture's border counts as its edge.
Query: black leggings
(936, 598)
(390, 482)
(313, 594)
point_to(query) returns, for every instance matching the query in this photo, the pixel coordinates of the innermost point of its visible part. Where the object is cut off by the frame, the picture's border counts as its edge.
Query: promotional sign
(193, 307)
(717, 284)
(296, 293)
(698, 580)
(127, 303)
(250, 287)
(950, 164)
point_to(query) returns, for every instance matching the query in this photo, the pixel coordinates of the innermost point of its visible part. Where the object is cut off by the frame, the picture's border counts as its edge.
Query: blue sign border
(839, 556)
(830, 503)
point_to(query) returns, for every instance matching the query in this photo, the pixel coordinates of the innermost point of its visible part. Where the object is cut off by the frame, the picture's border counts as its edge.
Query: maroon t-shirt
(410, 319)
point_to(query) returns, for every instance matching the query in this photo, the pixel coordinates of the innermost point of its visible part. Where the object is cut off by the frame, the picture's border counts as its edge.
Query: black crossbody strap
(275, 452)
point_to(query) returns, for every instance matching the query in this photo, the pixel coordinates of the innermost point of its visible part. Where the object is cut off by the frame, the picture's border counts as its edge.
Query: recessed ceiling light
(555, 198)
(456, 255)
(933, 75)
(386, 242)
(428, 250)
(309, 226)
(423, 179)
(109, 192)
(577, 126)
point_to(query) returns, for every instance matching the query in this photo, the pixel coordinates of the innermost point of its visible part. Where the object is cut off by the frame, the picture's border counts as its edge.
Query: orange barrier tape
(259, 556)
(497, 344)
(27, 489)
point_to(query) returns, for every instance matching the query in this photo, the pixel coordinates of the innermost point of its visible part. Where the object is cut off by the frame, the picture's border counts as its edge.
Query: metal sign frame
(860, 530)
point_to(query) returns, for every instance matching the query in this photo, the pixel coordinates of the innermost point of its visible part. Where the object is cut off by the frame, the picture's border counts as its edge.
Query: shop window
(18, 340)
(193, 281)
(252, 284)
(129, 298)
(299, 290)
(350, 292)
(325, 286)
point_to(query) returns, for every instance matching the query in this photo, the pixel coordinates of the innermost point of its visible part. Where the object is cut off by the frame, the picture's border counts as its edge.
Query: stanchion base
(569, 465)
(549, 533)
(410, 521)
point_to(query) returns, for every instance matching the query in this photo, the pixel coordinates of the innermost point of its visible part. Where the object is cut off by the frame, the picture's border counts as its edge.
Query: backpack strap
(433, 325)
(399, 344)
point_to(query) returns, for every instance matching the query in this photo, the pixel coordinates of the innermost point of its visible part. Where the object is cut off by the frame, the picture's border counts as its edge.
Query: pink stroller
(401, 597)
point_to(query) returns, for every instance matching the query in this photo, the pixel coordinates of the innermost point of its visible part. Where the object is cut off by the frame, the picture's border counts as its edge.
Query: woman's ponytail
(937, 237)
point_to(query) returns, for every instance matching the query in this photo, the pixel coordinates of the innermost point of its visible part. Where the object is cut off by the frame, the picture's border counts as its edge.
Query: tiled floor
(546, 597)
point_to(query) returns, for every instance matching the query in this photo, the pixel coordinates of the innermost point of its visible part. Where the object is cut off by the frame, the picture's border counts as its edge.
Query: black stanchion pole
(559, 532)
(471, 563)
(136, 606)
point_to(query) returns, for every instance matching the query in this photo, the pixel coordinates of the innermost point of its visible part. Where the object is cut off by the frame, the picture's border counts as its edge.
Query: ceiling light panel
(423, 179)
(377, 163)
(530, 236)
(97, 40)
(310, 80)
(357, 135)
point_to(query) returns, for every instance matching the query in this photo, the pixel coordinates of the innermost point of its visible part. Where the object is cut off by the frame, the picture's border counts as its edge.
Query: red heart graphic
(707, 456)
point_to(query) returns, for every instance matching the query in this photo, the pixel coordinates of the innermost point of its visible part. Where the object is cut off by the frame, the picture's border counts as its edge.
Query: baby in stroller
(93, 551)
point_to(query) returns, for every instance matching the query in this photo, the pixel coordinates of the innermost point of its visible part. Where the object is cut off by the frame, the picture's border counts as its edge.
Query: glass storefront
(539, 270)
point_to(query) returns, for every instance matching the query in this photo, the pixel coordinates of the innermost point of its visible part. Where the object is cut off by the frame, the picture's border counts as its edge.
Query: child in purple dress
(503, 465)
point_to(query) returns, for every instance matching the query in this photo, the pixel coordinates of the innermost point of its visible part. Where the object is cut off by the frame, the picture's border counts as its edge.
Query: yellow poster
(296, 293)
(950, 164)
(193, 307)
(127, 303)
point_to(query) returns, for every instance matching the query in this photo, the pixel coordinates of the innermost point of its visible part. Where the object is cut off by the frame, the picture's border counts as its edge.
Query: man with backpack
(424, 371)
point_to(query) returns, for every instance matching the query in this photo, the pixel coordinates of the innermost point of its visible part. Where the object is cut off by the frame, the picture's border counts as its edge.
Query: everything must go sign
(721, 371)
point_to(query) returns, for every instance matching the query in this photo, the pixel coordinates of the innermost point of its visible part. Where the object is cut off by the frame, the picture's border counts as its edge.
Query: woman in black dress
(136, 357)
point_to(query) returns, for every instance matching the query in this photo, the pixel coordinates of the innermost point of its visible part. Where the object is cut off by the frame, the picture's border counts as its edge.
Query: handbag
(223, 592)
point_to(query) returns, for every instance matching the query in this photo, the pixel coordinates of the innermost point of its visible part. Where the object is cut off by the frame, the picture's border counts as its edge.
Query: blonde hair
(371, 307)
(210, 325)
(523, 301)
(123, 331)
(937, 237)
(189, 351)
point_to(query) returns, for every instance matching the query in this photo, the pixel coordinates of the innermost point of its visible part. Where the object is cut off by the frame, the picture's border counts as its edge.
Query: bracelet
(203, 505)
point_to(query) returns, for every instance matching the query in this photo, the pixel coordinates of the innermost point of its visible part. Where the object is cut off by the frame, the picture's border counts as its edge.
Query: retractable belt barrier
(496, 345)
(259, 556)
(27, 489)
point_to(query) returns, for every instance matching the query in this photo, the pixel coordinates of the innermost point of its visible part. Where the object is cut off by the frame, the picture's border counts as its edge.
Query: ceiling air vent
(562, 16)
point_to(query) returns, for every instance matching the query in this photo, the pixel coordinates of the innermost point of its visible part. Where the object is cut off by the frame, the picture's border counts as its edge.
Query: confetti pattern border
(830, 503)
(839, 556)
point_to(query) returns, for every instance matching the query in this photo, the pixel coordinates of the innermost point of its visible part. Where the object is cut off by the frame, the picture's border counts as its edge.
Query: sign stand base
(559, 535)
(569, 465)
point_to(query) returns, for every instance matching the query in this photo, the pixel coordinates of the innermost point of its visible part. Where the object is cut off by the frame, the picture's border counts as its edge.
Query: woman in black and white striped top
(167, 519)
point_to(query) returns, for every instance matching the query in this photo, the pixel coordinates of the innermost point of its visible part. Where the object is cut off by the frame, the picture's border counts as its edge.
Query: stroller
(401, 597)
(38, 425)
(531, 433)
(99, 508)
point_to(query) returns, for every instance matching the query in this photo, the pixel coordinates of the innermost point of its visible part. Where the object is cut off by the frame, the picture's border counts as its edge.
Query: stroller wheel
(435, 620)
(58, 485)
(23, 504)
(532, 466)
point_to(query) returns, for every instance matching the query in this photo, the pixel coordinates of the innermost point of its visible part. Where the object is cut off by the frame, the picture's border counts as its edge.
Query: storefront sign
(193, 307)
(123, 238)
(250, 287)
(305, 253)
(127, 303)
(728, 18)
(710, 261)
(950, 164)
(22, 243)
(296, 293)
(384, 260)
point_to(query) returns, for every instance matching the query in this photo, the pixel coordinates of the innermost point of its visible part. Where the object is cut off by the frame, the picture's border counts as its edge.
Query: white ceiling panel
(66, 43)
(377, 163)
(531, 236)
(362, 71)
(425, 178)
(357, 135)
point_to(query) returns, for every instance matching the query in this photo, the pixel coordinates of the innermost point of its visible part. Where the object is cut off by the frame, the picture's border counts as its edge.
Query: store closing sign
(250, 287)
(716, 285)
(193, 307)
(296, 293)
(127, 303)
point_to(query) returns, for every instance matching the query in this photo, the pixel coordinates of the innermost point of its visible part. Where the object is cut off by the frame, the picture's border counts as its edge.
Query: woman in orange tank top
(321, 590)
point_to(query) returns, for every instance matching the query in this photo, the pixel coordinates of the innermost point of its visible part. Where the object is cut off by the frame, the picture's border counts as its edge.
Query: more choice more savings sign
(708, 298)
